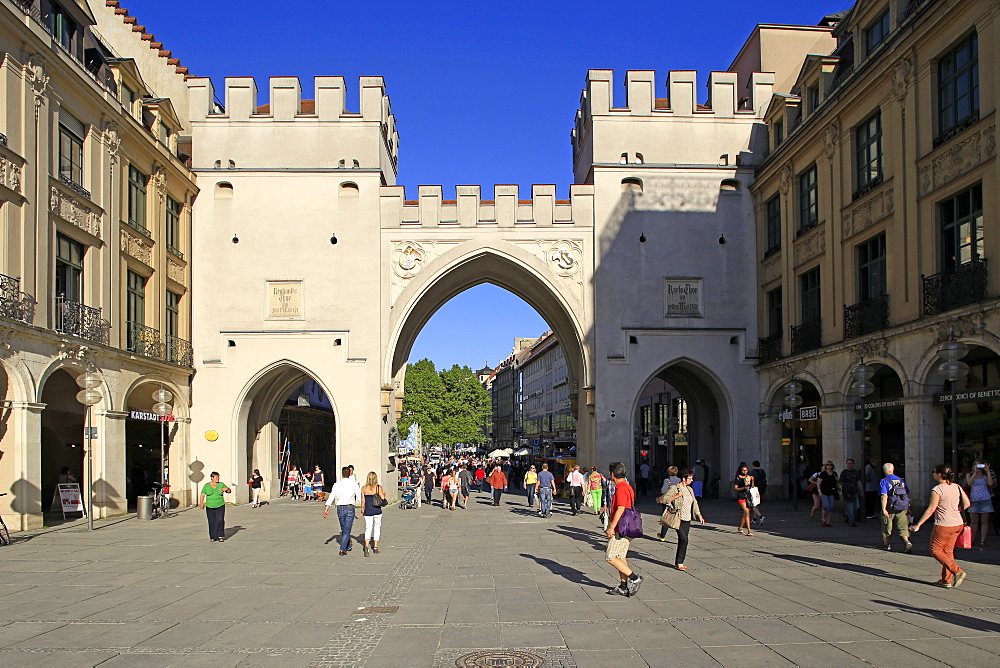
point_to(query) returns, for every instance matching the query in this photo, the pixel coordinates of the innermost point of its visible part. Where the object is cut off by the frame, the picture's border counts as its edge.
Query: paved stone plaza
(449, 584)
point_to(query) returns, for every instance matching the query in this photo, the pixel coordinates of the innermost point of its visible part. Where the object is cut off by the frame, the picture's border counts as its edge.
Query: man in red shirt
(498, 481)
(617, 551)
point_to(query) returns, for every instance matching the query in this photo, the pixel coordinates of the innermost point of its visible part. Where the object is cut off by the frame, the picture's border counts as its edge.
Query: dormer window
(812, 98)
(779, 132)
(877, 32)
(62, 27)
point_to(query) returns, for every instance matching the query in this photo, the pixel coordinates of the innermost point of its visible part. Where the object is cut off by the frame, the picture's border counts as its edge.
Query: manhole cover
(498, 658)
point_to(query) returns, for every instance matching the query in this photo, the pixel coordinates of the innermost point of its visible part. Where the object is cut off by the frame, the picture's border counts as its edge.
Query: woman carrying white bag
(682, 507)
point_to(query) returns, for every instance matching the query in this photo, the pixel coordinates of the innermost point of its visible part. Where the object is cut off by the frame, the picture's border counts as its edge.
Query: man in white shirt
(575, 481)
(345, 495)
(644, 477)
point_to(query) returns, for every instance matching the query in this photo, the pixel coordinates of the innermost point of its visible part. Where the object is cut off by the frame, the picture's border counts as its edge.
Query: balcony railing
(3, 139)
(963, 285)
(865, 317)
(74, 186)
(175, 250)
(143, 340)
(14, 304)
(179, 351)
(137, 226)
(807, 336)
(79, 320)
(769, 349)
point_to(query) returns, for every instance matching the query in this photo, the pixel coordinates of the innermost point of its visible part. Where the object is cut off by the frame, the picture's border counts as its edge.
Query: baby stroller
(408, 499)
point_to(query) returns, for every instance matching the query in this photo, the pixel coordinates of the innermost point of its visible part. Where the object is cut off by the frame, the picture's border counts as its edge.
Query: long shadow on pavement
(843, 566)
(571, 574)
(949, 616)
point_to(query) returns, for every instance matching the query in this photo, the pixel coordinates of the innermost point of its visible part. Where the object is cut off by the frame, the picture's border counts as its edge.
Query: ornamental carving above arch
(565, 257)
(408, 258)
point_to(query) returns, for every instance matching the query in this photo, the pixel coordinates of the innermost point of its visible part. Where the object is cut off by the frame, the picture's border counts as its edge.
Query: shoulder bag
(630, 524)
(379, 501)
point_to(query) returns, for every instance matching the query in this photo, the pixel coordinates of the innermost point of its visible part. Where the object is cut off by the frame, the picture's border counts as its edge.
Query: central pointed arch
(511, 269)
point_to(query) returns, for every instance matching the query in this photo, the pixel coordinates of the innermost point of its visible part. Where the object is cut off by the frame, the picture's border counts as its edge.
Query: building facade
(546, 405)
(874, 238)
(95, 208)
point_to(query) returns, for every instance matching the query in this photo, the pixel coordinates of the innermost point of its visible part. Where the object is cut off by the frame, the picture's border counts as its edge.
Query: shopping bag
(965, 538)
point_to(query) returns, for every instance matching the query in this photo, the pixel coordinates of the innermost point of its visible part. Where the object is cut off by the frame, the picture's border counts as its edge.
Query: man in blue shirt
(545, 488)
(895, 497)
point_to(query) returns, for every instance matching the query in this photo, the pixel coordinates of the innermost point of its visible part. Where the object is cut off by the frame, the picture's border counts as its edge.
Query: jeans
(531, 496)
(852, 509)
(576, 499)
(682, 542)
(428, 490)
(497, 491)
(346, 516)
(545, 494)
(216, 522)
(828, 502)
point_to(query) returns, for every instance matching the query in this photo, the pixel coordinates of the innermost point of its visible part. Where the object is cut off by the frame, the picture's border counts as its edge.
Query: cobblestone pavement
(485, 587)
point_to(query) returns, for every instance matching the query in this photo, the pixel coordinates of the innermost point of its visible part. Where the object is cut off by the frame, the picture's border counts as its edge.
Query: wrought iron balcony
(865, 317)
(74, 186)
(137, 226)
(175, 250)
(179, 351)
(769, 349)
(807, 336)
(3, 139)
(14, 304)
(143, 340)
(954, 288)
(79, 320)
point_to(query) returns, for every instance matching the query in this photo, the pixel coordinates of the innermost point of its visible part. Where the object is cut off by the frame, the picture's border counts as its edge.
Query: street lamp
(953, 369)
(88, 396)
(793, 401)
(163, 408)
(862, 386)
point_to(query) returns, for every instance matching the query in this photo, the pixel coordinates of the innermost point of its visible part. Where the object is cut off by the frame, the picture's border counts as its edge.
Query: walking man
(699, 479)
(345, 495)
(644, 477)
(872, 487)
(464, 483)
(895, 497)
(575, 481)
(850, 485)
(617, 550)
(498, 481)
(546, 487)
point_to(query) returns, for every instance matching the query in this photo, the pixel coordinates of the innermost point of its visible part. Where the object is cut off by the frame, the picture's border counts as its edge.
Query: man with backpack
(760, 481)
(895, 496)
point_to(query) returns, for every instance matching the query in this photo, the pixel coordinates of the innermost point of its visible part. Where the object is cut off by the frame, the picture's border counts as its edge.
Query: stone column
(25, 432)
(923, 425)
(109, 463)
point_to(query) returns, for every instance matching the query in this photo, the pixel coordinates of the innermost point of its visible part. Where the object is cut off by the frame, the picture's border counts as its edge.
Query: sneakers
(908, 548)
(887, 548)
(760, 521)
(620, 590)
(633, 585)
(959, 578)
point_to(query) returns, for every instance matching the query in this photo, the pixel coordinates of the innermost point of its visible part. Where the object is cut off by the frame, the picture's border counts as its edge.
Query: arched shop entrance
(146, 437)
(685, 413)
(808, 436)
(883, 421)
(62, 436)
(978, 404)
(286, 418)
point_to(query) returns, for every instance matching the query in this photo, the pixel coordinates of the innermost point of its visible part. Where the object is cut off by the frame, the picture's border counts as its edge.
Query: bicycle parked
(161, 500)
(4, 534)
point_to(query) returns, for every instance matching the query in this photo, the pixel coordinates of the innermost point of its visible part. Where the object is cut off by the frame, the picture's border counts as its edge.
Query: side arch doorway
(286, 419)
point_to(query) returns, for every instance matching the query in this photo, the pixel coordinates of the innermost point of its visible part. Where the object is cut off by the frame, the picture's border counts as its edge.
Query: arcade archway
(286, 418)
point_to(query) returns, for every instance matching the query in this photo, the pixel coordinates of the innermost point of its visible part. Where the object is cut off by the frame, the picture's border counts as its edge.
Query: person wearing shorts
(616, 553)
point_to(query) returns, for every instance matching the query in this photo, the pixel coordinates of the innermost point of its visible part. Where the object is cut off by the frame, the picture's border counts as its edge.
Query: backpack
(759, 477)
(898, 499)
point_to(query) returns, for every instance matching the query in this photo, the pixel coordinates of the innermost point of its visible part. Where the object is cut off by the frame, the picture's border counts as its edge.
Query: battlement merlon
(468, 209)
(724, 98)
(285, 102)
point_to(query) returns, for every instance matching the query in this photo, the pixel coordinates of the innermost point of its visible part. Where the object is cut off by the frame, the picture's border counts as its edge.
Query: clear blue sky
(483, 93)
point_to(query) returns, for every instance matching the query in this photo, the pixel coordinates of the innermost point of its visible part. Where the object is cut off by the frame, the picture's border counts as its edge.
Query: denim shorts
(828, 502)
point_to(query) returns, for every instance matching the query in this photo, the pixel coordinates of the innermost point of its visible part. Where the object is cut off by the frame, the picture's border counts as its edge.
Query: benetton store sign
(969, 396)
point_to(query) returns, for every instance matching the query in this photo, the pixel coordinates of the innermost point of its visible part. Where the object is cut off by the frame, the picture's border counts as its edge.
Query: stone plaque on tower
(683, 298)
(284, 300)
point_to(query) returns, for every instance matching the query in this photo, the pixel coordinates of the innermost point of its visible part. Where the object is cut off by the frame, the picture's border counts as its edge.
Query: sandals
(741, 532)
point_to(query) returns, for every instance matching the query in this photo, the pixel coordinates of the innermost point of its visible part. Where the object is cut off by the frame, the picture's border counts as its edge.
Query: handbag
(630, 524)
(378, 501)
(588, 500)
(965, 538)
(671, 517)
(754, 497)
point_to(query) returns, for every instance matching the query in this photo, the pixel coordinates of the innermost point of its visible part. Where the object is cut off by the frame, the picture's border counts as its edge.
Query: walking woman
(429, 484)
(372, 513)
(826, 482)
(682, 498)
(256, 483)
(742, 485)
(215, 506)
(446, 500)
(947, 502)
(596, 486)
(530, 478)
(813, 489)
(981, 482)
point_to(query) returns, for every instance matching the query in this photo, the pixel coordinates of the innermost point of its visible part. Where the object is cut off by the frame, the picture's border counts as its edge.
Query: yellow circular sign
(211, 435)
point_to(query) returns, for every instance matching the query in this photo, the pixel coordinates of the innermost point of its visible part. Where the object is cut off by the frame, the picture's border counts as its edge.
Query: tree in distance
(451, 406)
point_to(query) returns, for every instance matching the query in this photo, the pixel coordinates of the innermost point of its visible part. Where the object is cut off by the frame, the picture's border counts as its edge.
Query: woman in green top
(215, 507)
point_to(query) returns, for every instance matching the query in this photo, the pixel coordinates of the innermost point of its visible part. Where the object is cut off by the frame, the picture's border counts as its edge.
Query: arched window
(624, 159)
(223, 190)
(349, 189)
(639, 159)
(730, 185)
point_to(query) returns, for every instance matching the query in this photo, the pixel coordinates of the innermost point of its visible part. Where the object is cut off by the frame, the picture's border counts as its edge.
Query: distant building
(546, 408)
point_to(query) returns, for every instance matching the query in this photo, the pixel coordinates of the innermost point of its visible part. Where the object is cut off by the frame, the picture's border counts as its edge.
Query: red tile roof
(306, 107)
